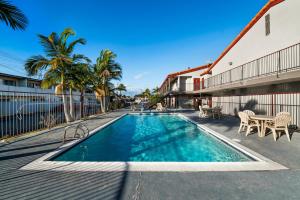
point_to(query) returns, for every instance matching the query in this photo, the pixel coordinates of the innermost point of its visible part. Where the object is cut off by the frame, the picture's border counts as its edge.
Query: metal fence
(22, 112)
(267, 104)
(282, 61)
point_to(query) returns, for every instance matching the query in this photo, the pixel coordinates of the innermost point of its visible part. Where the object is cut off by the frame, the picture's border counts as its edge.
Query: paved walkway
(20, 184)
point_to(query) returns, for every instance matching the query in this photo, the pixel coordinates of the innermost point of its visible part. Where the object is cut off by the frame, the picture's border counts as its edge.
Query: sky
(152, 38)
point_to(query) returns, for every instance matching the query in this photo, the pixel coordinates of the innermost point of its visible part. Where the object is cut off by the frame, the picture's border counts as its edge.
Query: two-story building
(182, 89)
(18, 81)
(260, 69)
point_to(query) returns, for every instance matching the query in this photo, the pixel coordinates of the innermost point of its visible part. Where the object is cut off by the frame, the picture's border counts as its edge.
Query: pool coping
(260, 163)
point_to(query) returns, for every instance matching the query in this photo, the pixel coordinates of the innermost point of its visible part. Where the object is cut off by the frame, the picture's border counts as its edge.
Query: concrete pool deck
(27, 184)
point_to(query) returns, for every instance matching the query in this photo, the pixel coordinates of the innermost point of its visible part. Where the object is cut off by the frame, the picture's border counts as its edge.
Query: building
(182, 89)
(260, 69)
(18, 81)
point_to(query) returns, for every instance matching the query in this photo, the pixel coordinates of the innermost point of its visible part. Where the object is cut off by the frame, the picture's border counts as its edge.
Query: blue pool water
(157, 138)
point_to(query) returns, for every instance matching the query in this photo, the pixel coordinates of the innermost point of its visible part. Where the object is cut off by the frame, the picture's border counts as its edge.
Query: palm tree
(146, 93)
(12, 16)
(57, 63)
(78, 77)
(121, 88)
(155, 90)
(105, 70)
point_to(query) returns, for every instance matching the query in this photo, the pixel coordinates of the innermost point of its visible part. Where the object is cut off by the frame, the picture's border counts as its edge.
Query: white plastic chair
(280, 123)
(248, 123)
(201, 112)
(249, 112)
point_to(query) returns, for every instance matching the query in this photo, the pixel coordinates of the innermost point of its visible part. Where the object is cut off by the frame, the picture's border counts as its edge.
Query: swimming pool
(153, 142)
(152, 138)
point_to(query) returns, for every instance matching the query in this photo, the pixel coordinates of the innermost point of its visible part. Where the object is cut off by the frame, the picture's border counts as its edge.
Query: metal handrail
(82, 126)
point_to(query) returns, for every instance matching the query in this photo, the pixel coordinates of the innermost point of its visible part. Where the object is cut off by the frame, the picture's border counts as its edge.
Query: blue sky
(151, 37)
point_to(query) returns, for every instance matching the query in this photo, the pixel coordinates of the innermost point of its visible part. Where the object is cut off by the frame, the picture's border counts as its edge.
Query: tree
(79, 78)
(155, 90)
(12, 16)
(146, 93)
(58, 62)
(105, 70)
(121, 88)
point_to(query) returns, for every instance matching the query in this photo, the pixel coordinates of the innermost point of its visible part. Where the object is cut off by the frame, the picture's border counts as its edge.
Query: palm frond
(12, 16)
(80, 58)
(49, 44)
(65, 35)
(72, 45)
(36, 63)
(51, 78)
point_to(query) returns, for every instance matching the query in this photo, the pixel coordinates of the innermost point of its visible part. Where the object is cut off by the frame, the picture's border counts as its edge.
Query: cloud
(140, 75)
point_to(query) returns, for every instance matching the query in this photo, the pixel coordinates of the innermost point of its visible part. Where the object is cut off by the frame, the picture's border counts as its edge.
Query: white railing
(282, 61)
(22, 112)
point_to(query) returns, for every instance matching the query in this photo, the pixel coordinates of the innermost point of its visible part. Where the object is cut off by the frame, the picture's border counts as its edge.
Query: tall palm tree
(57, 62)
(12, 16)
(105, 70)
(79, 79)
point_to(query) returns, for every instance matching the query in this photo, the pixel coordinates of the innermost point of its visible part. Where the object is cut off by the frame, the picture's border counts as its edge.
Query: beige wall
(285, 31)
(267, 104)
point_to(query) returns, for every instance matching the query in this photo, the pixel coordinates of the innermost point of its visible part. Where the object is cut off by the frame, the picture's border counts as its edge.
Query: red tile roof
(261, 13)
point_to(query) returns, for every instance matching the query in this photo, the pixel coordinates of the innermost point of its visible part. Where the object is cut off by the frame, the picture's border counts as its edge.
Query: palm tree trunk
(101, 104)
(81, 103)
(66, 110)
(72, 111)
(104, 103)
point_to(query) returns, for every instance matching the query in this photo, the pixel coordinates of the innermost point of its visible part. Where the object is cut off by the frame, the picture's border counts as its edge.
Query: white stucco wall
(285, 31)
(195, 74)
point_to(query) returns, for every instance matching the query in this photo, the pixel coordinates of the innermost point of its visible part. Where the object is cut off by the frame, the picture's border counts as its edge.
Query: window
(10, 82)
(267, 24)
(30, 85)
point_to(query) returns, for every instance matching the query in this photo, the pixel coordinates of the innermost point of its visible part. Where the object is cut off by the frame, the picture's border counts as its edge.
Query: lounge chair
(247, 122)
(280, 123)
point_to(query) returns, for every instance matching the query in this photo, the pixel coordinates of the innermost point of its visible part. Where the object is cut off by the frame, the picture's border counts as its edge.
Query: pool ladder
(82, 126)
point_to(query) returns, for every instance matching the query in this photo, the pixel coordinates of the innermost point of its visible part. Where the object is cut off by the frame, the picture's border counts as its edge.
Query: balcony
(185, 88)
(280, 66)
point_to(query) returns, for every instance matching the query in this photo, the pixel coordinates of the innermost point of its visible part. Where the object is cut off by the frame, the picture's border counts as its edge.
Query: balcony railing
(187, 87)
(282, 61)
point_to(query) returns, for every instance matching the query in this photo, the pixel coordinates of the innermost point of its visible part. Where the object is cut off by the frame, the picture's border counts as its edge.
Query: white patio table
(262, 120)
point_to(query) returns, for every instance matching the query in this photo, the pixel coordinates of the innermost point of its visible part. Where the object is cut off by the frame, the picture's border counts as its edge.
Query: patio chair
(217, 112)
(247, 122)
(249, 112)
(201, 112)
(205, 106)
(282, 113)
(280, 123)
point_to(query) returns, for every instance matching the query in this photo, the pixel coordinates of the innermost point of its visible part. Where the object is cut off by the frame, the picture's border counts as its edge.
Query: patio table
(207, 110)
(262, 120)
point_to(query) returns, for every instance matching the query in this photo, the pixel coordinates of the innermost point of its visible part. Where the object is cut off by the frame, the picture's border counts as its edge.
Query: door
(196, 84)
